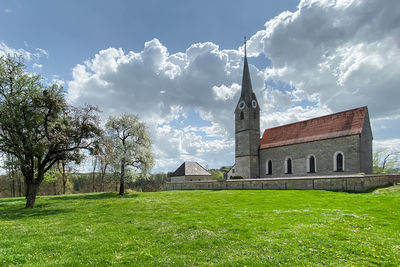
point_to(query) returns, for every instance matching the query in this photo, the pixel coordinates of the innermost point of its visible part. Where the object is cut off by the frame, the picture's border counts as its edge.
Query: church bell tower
(247, 128)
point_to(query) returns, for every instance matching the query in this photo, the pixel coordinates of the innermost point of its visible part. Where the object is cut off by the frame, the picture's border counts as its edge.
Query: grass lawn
(205, 228)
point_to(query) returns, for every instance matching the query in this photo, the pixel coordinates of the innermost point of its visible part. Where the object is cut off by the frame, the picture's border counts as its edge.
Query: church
(339, 143)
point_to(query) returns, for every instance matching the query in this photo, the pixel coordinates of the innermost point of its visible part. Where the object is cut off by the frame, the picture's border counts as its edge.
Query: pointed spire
(247, 89)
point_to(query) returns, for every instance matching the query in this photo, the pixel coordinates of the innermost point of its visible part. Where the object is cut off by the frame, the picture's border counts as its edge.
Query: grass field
(205, 228)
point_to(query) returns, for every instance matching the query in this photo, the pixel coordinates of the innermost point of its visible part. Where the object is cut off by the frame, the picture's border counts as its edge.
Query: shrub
(237, 177)
(153, 183)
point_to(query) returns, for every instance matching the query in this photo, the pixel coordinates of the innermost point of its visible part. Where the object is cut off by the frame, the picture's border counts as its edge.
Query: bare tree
(385, 159)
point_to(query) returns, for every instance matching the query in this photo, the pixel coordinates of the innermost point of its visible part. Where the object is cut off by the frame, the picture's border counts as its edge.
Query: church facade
(339, 143)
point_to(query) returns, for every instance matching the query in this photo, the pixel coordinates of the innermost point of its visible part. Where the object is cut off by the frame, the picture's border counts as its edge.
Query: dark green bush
(237, 177)
(154, 183)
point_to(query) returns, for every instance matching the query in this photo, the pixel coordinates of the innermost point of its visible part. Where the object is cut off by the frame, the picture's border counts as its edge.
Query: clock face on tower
(254, 103)
(241, 104)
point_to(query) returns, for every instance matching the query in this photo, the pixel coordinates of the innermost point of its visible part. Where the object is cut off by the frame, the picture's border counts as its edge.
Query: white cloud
(225, 93)
(392, 145)
(346, 52)
(5, 50)
(37, 66)
(6, 10)
(26, 55)
(327, 56)
(41, 52)
(162, 88)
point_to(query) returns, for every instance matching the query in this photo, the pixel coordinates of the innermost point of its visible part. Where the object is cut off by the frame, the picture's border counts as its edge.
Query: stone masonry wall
(322, 150)
(346, 183)
(366, 147)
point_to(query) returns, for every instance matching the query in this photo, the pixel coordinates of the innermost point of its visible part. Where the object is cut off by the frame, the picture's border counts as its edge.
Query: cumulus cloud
(345, 52)
(162, 88)
(37, 66)
(327, 56)
(26, 55)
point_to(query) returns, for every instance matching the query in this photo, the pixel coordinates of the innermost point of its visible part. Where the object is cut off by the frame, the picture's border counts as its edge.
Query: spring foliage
(38, 127)
(131, 143)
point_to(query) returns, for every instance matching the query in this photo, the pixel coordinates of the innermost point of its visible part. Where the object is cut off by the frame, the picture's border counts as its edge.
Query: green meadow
(203, 228)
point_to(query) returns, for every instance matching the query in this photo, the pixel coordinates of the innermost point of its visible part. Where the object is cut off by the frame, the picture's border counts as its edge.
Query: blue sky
(178, 64)
(73, 31)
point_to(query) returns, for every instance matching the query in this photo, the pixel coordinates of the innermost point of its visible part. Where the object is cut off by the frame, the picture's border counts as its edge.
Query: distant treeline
(13, 186)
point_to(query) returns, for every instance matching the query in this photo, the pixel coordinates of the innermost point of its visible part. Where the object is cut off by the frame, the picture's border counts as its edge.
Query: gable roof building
(339, 143)
(190, 171)
(346, 123)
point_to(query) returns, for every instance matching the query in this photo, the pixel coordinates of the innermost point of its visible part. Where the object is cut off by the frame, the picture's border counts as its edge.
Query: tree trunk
(64, 184)
(102, 182)
(121, 188)
(19, 186)
(55, 187)
(31, 191)
(13, 186)
(121, 180)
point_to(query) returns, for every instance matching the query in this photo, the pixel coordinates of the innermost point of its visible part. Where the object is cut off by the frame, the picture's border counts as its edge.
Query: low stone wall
(346, 183)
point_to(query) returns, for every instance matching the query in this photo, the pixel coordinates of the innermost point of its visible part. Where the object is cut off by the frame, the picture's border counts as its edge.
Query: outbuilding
(190, 171)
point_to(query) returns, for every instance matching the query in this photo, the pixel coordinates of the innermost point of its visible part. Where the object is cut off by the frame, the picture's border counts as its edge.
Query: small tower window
(254, 115)
(268, 167)
(311, 165)
(241, 115)
(338, 161)
(288, 166)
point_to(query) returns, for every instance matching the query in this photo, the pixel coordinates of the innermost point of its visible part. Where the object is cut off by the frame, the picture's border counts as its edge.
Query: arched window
(311, 164)
(338, 161)
(288, 165)
(254, 115)
(268, 167)
(241, 115)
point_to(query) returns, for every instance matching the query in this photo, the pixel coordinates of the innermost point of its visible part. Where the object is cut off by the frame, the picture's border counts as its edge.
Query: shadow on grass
(22, 213)
(12, 200)
(94, 196)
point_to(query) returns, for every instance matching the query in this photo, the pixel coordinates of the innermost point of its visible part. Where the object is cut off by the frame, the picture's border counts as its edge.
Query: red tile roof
(349, 122)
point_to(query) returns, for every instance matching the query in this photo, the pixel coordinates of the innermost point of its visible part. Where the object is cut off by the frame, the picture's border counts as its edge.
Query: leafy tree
(38, 127)
(152, 183)
(94, 165)
(104, 158)
(217, 175)
(385, 161)
(131, 147)
(10, 164)
(51, 179)
(65, 169)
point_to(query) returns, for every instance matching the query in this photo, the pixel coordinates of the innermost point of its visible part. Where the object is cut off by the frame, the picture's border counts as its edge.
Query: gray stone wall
(323, 151)
(366, 147)
(248, 166)
(231, 172)
(188, 178)
(247, 142)
(347, 183)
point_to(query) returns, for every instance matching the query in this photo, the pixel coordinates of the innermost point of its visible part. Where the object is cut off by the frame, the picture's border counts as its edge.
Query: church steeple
(247, 89)
(247, 128)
